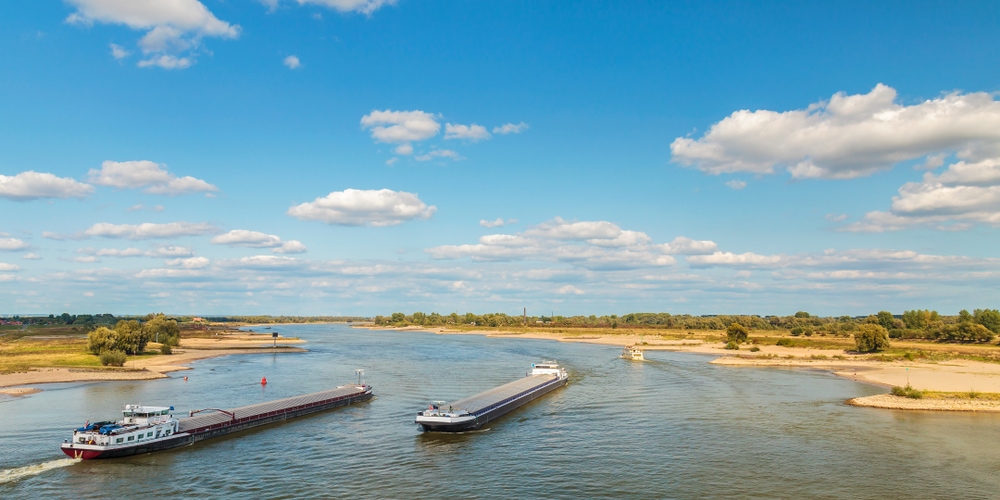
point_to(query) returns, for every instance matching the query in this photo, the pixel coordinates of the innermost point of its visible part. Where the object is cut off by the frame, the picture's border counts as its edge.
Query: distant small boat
(633, 353)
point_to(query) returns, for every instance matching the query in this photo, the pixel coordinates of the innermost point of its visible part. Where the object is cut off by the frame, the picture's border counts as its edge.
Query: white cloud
(400, 126)
(86, 259)
(9, 267)
(510, 128)
(31, 256)
(848, 136)
(175, 27)
(355, 207)
(166, 61)
(118, 52)
(499, 222)
(439, 153)
(737, 185)
(964, 194)
(361, 6)
(404, 149)
(255, 239)
(190, 263)
(33, 185)
(144, 173)
(290, 246)
(149, 230)
(292, 62)
(595, 245)
(245, 238)
(569, 289)
(731, 259)
(467, 132)
(12, 245)
(686, 246)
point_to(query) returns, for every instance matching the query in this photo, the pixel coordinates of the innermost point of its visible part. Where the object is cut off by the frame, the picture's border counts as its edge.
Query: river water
(672, 427)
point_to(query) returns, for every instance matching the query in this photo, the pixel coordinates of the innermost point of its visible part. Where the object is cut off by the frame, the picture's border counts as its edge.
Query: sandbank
(149, 367)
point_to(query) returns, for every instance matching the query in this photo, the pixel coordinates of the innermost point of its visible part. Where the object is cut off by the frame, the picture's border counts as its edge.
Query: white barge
(476, 411)
(144, 429)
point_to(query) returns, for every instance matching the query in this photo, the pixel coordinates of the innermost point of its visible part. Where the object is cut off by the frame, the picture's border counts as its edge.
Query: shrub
(736, 333)
(754, 349)
(165, 349)
(798, 330)
(784, 342)
(732, 346)
(871, 337)
(907, 392)
(113, 358)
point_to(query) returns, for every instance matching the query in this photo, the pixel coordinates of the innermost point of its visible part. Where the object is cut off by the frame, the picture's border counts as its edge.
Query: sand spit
(890, 402)
(143, 368)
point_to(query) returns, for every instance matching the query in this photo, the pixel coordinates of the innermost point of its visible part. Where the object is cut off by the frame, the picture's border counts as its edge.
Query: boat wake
(18, 473)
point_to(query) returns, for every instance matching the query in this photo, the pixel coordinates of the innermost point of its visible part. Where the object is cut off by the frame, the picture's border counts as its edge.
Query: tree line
(981, 325)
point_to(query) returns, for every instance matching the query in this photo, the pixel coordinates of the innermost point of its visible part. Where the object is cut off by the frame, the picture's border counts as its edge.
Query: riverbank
(956, 375)
(149, 367)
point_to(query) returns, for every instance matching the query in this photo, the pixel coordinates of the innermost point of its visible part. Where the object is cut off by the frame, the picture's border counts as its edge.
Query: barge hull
(490, 415)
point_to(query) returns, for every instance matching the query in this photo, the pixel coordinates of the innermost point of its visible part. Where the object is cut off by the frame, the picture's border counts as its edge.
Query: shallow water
(672, 427)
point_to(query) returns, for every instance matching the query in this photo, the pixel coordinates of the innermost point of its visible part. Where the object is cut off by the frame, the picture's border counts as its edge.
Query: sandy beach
(149, 367)
(950, 376)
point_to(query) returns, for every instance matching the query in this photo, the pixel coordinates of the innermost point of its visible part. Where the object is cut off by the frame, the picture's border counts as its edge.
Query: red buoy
(263, 381)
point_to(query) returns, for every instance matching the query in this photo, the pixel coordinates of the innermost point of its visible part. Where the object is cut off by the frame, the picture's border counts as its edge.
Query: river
(672, 427)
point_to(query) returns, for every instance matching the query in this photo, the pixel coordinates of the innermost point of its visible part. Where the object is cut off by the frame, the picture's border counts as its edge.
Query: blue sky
(364, 156)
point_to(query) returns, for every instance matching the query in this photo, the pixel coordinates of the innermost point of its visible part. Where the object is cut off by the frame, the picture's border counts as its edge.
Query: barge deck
(474, 412)
(148, 429)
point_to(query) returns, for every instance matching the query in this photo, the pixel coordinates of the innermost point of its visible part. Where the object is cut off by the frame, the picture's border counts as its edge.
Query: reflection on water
(671, 427)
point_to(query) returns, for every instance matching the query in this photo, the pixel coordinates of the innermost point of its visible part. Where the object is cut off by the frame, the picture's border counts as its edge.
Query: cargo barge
(476, 411)
(145, 429)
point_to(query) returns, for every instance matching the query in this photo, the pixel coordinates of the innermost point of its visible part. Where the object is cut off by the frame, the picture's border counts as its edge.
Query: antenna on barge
(360, 372)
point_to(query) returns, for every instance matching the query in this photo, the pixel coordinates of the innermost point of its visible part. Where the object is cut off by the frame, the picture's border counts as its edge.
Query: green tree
(100, 340)
(886, 320)
(162, 330)
(736, 333)
(990, 318)
(871, 337)
(801, 314)
(130, 337)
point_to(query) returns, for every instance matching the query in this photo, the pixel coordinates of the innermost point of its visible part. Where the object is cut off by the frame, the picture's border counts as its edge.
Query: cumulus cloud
(292, 62)
(149, 230)
(499, 222)
(256, 239)
(5, 267)
(355, 207)
(569, 289)
(13, 245)
(404, 149)
(848, 136)
(174, 29)
(189, 263)
(360, 6)
(159, 252)
(118, 52)
(439, 153)
(400, 126)
(737, 185)
(594, 245)
(144, 173)
(963, 195)
(510, 128)
(31, 256)
(467, 132)
(33, 185)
